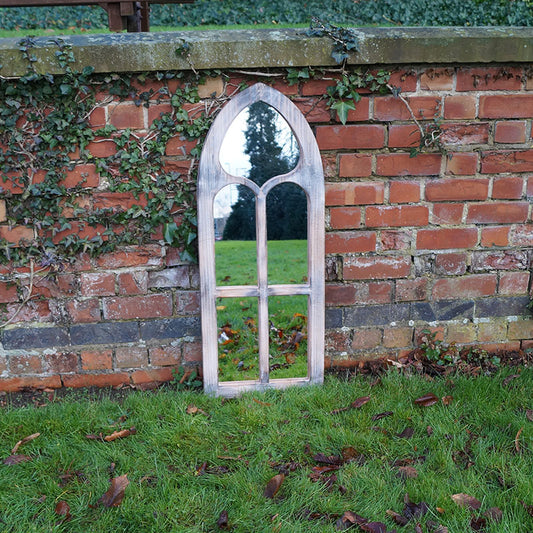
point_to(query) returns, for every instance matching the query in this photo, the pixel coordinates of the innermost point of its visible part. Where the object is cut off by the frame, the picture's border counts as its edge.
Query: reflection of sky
(236, 162)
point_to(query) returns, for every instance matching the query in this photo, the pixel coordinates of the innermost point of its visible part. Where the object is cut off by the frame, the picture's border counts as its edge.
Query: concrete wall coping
(238, 49)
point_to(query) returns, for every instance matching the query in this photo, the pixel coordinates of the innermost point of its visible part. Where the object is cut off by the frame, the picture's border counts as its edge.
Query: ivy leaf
(339, 55)
(65, 88)
(342, 107)
(169, 232)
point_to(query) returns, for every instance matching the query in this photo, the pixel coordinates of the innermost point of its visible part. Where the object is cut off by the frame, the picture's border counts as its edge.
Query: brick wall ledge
(228, 49)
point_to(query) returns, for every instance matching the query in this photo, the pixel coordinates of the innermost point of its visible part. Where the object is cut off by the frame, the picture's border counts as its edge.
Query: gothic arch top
(212, 178)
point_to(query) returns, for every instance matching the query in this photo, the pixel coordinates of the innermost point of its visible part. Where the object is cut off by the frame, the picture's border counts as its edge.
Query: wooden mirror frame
(308, 174)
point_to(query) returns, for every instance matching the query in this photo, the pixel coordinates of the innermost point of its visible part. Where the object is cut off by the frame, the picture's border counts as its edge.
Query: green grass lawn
(237, 317)
(193, 457)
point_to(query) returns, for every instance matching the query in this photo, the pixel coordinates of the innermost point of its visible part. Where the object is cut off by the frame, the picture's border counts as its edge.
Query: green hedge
(345, 12)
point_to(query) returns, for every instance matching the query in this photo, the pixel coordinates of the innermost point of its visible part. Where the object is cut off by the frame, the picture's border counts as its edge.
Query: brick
(97, 118)
(316, 87)
(155, 111)
(513, 283)
(25, 364)
(403, 165)
(507, 188)
(23, 338)
(510, 131)
(476, 285)
(401, 216)
(173, 328)
(459, 106)
(61, 363)
(397, 337)
(501, 306)
(489, 79)
(126, 115)
(187, 302)
(361, 111)
(461, 333)
(365, 339)
(496, 348)
(149, 255)
(131, 357)
(283, 86)
(376, 315)
(192, 352)
(15, 234)
(97, 284)
(8, 292)
(336, 340)
(404, 79)
(211, 87)
(135, 282)
(497, 212)
(396, 240)
(33, 311)
(96, 360)
(355, 193)
(446, 238)
(506, 106)
(329, 165)
(376, 267)
(313, 109)
(462, 163)
(54, 287)
(457, 189)
(117, 201)
(403, 135)
(495, 236)
(355, 165)
(500, 260)
(170, 277)
(165, 355)
(462, 134)
(493, 331)
(146, 306)
(521, 329)
(84, 175)
(388, 108)
(530, 187)
(340, 294)
(178, 146)
(25, 382)
(102, 147)
(104, 333)
(447, 214)
(151, 375)
(410, 290)
(437, 79)
(80, 229)
(3, 212)
(350, 137)
(522, 235)
(345, 217)
(450, 264)
(82, 311)
(373, 292)
(345, 242)
(95, 380)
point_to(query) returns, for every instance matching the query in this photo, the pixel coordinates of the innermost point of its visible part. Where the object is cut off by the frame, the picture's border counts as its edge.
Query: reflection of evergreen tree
(286, 203)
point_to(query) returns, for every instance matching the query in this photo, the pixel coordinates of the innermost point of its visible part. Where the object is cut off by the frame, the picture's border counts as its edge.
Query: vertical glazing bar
(262, 280)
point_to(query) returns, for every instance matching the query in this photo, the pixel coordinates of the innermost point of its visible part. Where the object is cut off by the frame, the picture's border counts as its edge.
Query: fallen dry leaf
(407, 433)
(92, 436)
(63, 509)
(397, 517)
(356, 404)
(115, 494)
(527, 507)
(273, 486)
(407, 472)
(447, 400)
(348, 519)
(193, 410)
(478, 524)
(16, 459)
(328, 459)
(379, 416)
(413, 510)
(517, 440)
(120, 434)
(418, 528)
(374, 527)
(426, 400)
(494, 513)
(222, 521)
(24, 441)
(529, 414)
(508, 379)
(464, 500)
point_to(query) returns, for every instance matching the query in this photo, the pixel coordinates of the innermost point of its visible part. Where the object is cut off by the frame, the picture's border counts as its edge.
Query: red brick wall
(439, 240)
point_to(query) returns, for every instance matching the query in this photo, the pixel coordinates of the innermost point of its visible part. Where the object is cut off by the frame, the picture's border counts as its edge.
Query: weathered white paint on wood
(212, 178)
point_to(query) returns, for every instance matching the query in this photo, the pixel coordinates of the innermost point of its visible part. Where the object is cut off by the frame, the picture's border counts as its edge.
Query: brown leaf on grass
(429, 431)
(356, 404)
(397, 517)
(222, 521)
(441, 529)
(63, 509)
(349, 519)
(478, 524)
(407, 433)
(379, 416)
(266, 404)
(418, 528)
(447, 400)
(120, 434)
(464, 500)
(328, 459)
(426, 400)
(193, 410)
(517, 440)
(529, 414)
(115, 494)
(349, 454)
(374, 527)
(413, 510)
(24, 441)
(92, 436)
(273, 486)
(16, 459)
(406, 472)
(494, 513)
(508, 379)
(527, 507)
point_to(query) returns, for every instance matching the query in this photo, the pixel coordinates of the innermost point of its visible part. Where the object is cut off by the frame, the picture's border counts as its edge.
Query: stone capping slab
(272, 48)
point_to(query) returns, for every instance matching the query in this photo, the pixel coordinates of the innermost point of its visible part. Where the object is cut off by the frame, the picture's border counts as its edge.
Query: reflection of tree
(286, 203)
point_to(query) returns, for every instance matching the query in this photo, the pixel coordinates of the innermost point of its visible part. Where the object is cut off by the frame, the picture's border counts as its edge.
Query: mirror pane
(288, 336)
(238, 354)
(235, 246)
(287, 234)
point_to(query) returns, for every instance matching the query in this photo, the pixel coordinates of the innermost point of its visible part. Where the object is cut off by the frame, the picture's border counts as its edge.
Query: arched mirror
(261, 239)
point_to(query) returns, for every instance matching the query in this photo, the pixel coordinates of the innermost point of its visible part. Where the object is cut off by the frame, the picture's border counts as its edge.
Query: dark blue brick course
(35, 338)
(171, 328)
(105, 333)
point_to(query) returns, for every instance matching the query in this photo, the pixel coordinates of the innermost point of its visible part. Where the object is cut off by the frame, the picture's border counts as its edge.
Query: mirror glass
(235, 236)
(287, 234)
(238, 354)
(288, 336)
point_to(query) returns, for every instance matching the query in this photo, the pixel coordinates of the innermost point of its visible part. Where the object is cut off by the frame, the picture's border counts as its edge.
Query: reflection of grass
(238, 353)
(236, 264)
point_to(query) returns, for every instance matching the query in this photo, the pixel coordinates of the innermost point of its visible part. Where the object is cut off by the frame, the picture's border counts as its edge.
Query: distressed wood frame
(308, 174)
